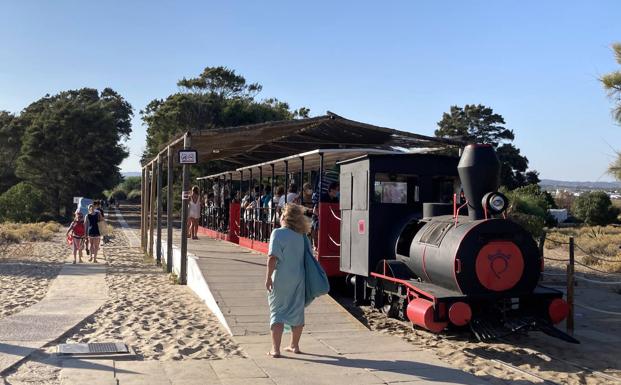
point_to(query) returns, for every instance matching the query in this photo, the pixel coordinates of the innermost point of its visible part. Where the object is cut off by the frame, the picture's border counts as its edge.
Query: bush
(21, 203)
(118, 194)
(595, 208)
(134, 196)
(529, 207)
(131, 183)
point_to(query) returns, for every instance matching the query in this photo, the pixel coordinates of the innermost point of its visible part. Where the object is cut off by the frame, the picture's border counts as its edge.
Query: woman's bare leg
(296, 334)
(95, 247)
(80, 249)
(277, 330)
(194, 227)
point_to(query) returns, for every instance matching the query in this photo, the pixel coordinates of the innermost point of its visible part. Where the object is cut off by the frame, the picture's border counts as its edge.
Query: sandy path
(146, 310)
(160, 320)
(26, 270)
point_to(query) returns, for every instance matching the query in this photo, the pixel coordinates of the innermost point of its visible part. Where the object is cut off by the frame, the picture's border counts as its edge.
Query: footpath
(76, 293)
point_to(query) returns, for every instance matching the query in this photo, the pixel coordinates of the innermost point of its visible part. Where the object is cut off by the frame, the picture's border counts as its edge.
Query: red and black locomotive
(409, 250)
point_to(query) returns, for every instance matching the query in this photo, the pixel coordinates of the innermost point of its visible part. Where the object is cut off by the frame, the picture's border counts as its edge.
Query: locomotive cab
(380, 195)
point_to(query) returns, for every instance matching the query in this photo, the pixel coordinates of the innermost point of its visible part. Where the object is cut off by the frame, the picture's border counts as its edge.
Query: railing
(257, 223)
(574, 277)
(216, 218)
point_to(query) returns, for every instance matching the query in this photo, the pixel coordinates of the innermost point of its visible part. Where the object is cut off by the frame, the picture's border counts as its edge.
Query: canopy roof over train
(311, 161)
(241, 146)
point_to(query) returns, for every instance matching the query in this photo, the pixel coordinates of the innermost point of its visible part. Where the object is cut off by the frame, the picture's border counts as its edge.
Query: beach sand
(160, 320)
(26, 270)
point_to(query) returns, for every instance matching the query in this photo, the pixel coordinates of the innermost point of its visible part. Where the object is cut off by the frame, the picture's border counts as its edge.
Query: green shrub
(134, 196)
(529, 207)
(21, 203)
(130, 183)
(532, 223)
(118, 194)
(595, 208)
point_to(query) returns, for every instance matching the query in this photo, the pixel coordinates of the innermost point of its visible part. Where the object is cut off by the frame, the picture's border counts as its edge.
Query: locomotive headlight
(495, 202)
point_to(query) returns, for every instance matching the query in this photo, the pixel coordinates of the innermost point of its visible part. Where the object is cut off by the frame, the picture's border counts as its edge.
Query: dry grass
(29, 232)
(592, 244)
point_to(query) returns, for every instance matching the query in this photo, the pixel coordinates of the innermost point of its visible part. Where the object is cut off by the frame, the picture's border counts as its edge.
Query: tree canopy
(218, 97)
(595, 208)
(10, 144)
(479, 124)
(612, 84)
(71, 144)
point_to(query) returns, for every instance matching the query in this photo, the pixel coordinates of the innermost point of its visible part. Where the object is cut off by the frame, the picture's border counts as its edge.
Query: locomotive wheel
(377, 297)
(391, 307)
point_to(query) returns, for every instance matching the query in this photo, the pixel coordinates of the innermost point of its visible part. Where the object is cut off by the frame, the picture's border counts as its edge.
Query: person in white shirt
(292, 196)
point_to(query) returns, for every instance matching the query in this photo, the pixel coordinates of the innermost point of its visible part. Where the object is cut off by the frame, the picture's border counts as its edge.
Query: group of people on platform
(85, 231)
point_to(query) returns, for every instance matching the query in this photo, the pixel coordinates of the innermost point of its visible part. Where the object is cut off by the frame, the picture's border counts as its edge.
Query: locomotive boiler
(425, 238)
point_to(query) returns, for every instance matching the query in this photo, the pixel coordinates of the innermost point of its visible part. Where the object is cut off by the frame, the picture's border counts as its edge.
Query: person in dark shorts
(91, 223)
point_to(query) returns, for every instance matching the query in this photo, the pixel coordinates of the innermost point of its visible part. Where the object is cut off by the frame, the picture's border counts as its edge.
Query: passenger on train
(307, 194)
(332, 196)
(292, 196)
(266, 199)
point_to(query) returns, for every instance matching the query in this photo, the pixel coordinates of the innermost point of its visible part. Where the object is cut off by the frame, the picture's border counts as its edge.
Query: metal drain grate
(94, 348)
(107, 347)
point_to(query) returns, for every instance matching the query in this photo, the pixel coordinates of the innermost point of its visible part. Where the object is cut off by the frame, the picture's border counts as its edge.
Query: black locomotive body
(409, 250)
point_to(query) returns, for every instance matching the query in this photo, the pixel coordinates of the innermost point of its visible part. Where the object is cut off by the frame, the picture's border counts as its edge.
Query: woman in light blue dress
(285, 278)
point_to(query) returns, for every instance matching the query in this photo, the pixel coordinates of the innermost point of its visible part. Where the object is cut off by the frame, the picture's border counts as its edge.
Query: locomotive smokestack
(479, 171)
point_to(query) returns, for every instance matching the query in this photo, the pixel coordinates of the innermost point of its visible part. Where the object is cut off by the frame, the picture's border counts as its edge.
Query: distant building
(559, 214)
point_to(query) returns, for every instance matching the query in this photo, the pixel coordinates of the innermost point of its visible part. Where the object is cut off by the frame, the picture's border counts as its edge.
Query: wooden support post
(183, 274)
(152, 210)
(320, 192)
(143, 197)
(169, 212)
(286, 180)
(570, 288)
(301, 183)
(158, 251)
(273, 206)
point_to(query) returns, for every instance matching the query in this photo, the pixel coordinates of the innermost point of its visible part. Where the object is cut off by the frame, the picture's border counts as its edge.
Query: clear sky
(398, 64)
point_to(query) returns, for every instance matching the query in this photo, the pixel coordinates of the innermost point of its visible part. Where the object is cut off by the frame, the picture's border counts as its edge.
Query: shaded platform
(76, 293)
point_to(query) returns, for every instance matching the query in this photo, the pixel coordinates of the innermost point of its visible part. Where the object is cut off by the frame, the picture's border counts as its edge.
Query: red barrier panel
(234, 211)
(329, 238)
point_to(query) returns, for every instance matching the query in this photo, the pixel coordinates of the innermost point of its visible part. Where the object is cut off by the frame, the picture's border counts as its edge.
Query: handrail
(334, 215)
(333, 241)
(456, 214)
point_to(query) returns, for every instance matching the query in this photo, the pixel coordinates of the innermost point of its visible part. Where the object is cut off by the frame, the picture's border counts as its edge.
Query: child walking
(78, 234)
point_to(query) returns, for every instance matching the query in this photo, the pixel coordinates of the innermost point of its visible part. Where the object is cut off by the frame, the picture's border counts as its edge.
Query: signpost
(188, 156)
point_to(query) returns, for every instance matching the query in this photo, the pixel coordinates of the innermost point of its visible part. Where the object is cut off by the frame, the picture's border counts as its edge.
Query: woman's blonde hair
(293, 218)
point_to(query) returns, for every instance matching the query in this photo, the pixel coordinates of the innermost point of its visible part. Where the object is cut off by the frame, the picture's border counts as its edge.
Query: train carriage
(252, 228)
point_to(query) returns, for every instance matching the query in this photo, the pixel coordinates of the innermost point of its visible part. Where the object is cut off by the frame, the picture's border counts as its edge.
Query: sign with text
(76, 199)
(185, 195)
(188, 156)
